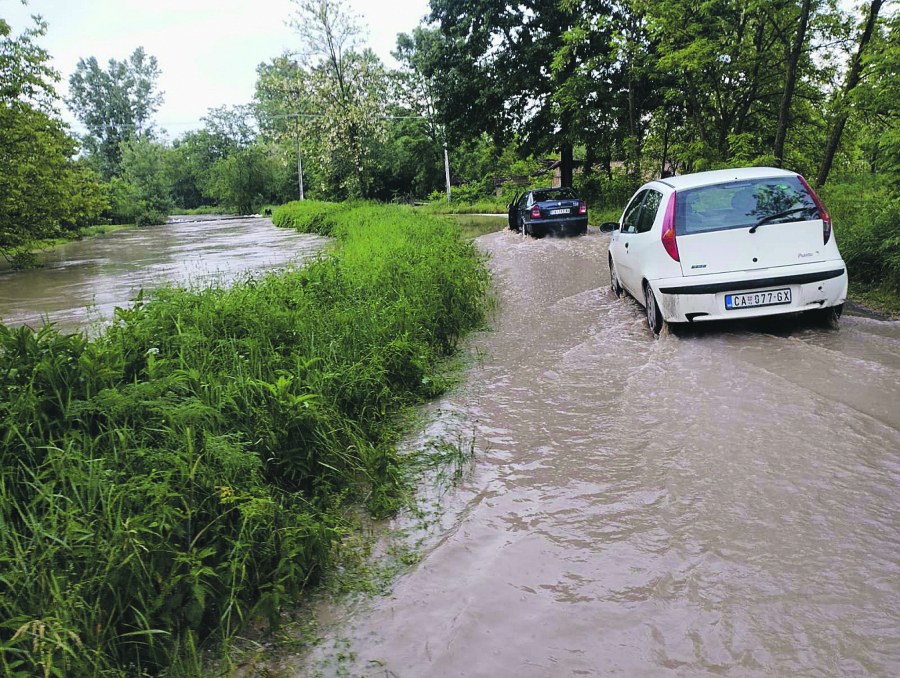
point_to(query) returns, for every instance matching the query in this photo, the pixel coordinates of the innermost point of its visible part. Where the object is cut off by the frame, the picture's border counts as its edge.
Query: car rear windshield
(742, 204)
(555, 194)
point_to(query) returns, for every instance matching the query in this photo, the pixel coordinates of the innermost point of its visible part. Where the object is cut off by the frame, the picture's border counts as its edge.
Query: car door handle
(626, 246)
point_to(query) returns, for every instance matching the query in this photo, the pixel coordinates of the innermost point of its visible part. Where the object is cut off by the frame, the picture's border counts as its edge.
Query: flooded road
(82, 282)
(721, 502)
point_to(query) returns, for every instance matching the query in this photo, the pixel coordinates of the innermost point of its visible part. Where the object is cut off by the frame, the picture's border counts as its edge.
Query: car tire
(614, 279)
(654, 317)
(828, 317)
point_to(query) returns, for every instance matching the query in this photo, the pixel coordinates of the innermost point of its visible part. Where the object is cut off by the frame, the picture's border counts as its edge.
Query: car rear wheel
(828, 317)
(654, 317)
(614, 279)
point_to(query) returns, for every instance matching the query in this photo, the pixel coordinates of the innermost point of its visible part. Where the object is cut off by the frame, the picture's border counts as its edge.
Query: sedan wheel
(614, 280)
(654, 317)
(829, 317)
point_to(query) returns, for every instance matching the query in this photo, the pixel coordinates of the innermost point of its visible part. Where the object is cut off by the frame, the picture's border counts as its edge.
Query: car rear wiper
(777, 216)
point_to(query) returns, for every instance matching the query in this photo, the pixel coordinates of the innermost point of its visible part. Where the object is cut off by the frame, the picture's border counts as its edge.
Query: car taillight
(535, 212)
(823, 213)
(582, 208)
(668, 230)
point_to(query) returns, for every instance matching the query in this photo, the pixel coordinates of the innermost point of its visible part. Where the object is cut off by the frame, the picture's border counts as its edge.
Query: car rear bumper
(698, 298)
(570, 226)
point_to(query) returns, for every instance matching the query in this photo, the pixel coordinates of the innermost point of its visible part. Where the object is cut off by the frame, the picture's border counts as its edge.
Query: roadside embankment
(184, 473)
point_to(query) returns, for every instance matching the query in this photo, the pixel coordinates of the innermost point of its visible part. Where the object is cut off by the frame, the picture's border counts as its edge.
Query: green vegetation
(478, 207)
(44, 192)
(867, 228)
(184, 474)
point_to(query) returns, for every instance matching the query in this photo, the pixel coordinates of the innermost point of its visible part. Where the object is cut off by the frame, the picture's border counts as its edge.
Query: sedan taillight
(582, 208)
(823, 213)
(535, 212)
(668, 229)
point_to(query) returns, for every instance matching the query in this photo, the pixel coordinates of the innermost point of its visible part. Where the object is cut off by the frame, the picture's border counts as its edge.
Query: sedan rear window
(555, 194)
(743, 204)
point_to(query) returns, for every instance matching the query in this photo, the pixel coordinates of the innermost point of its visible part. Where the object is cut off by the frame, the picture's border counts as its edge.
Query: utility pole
(299, 167)
(447, 172)
(383, 117)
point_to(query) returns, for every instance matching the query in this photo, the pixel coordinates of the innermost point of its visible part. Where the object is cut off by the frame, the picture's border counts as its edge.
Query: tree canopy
(115, 105)
(43, 191)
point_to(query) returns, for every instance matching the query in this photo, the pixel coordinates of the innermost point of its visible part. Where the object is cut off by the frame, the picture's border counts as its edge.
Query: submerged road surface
(82, 282)
(721, 502)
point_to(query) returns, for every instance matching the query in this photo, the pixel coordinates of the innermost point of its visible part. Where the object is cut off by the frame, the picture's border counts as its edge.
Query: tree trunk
(694, 105)
(565, 165)
(662, 172)
(754, 78)
(852, 80)
(587, 169)
(793, 61)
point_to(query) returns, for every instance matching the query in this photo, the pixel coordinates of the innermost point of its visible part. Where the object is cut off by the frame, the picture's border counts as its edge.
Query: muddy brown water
(725, 501)
(81, 283)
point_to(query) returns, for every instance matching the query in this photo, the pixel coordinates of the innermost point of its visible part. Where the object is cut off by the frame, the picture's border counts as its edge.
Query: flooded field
(82, 282)
(721, 502)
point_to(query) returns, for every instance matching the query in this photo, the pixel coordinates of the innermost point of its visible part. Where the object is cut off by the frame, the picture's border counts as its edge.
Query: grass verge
(183, 474)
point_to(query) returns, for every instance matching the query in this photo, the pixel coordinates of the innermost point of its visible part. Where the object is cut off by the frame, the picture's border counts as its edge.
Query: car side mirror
(609, 226)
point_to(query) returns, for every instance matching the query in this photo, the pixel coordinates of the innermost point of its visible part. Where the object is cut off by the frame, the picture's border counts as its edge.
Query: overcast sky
(208, 50)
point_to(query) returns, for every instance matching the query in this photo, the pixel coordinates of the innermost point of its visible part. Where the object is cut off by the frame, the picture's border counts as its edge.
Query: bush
(309, 216)
(602, 192)
(867, 228)
(184, 473)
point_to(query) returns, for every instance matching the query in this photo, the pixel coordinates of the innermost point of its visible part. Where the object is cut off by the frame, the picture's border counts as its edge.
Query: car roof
(697, 179)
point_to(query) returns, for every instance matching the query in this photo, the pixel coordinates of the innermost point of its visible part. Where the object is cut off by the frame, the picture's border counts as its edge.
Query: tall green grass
(479, 207)
(183, 473)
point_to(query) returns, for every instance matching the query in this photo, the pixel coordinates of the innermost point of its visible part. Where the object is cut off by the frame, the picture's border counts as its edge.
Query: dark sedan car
(548, 210)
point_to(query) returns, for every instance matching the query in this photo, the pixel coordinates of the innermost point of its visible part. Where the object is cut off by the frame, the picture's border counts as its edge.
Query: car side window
(629, 222)
(523, 200)
(648, 211)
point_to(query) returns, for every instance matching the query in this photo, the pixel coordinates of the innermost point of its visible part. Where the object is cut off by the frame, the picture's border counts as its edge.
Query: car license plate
(751, 299)
(559, 211)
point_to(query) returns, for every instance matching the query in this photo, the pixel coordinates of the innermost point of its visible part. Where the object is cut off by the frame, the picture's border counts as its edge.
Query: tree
(335, 96)
(853, 77)
(242, 180)
(793, 62)
(877, 98)
(349, 89)
(144, 166)
(232, 130)
(114, 105)
(491, 72)
(43, 192)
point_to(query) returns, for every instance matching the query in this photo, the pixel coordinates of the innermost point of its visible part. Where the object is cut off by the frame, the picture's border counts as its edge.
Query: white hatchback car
(731, 243)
